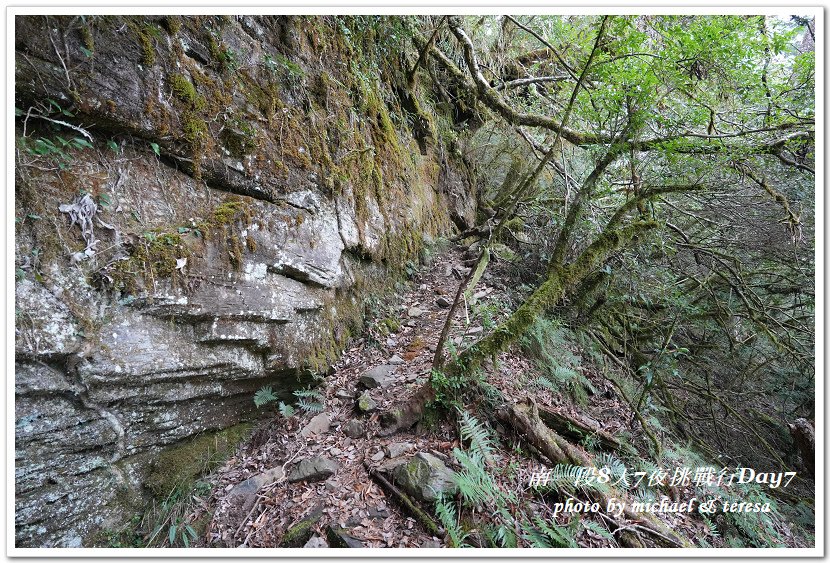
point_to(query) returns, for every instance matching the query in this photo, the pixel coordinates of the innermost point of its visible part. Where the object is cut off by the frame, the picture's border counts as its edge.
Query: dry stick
(438, 358)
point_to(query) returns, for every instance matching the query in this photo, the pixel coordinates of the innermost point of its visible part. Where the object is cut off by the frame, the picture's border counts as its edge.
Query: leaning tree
(674, 158)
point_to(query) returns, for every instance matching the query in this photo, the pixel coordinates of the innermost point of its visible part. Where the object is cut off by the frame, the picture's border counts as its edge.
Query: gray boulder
(313, 469)
(377, 377)
(425, 477)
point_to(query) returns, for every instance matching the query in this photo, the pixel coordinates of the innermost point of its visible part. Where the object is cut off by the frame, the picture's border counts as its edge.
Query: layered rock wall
(246, 184)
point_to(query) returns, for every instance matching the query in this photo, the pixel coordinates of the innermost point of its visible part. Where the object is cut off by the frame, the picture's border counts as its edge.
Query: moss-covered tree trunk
(560, 280)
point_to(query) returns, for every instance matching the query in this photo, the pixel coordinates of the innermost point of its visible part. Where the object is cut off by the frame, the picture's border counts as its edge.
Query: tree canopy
(666, 164)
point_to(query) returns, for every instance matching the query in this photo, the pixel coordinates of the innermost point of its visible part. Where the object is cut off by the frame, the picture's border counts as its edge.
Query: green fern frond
(545, 535)
(286, 410)
(310, 406)
(613, 463)
(713, 529)
(309, 400)
(543, 381)
(475, 484)
(447, 515)
(565, 374)
(597, 529)
(309, 394)
(264, 396)
(476, 433)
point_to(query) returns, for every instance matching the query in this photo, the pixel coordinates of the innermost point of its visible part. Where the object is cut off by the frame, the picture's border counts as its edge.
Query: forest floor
(343, 496)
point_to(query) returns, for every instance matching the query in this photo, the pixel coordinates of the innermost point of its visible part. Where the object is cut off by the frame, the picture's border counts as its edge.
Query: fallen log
(576, 429)
(524, 418)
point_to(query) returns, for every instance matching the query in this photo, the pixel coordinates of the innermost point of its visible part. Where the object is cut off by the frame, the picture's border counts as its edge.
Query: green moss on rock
(179, 466)
(298, 534)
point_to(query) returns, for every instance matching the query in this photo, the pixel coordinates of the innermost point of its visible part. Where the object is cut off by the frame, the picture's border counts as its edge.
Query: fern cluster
(546, 342)
(480, 492)
(308, 400)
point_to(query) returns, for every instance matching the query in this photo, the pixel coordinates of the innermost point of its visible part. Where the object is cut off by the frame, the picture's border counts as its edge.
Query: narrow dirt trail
(348, 499)
(307, 477)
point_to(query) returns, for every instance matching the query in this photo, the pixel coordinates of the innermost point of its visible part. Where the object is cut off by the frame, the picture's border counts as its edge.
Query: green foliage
(447, 388)
(597, 529)
(55, 148)
(544, 534)
(287, 411)
(446, 512)
(309, 400)
(480, 491)
(481, 443)
(548, 343)
(264, 396)
(180, 533)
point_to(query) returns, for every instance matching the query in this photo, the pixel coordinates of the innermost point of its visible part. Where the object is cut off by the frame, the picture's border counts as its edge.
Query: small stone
(348, 441)
(344, 394)
(312, 469)
(460, 272)
(474, 330)
(244, 494)
(430, 544)
(396, 360)
(447, 270)
(318, 425)
(391, 342)
(397, 450)
(366, 404)
(415, 312)
(316, 542)
(423, 287)
(411, 323)
(443, 302)
(457, 340)
(335, 451)
(377, 376)
(378, 513)
(378, 456)
(353, 429)
(481, 294)
(301, 532)
(338, 538)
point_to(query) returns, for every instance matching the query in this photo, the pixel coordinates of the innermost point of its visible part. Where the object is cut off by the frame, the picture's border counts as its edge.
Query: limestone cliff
(202, 206)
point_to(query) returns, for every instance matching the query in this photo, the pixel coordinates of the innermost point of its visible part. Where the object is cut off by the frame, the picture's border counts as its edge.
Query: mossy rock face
(178, 466)
(258, 215)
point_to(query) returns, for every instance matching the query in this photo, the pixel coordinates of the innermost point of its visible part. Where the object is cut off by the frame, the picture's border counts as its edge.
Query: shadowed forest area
(415, 281)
